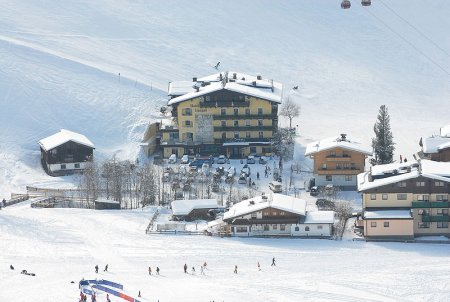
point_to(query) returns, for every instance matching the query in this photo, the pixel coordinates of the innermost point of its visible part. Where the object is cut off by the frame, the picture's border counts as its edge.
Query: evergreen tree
(382, 143)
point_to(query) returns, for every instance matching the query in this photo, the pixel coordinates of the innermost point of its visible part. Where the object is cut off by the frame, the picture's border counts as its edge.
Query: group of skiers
(96, 268)
(150, 270)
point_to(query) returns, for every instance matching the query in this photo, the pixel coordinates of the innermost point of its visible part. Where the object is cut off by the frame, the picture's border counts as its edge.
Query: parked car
(199, 161)
(185, 159)
(173, 159)
(275, 186)
(263, 160)
(221, 159)
(251, 159)
(231, 172)
(246, 171)
(205, 168)
(314, 191)
(242, 179)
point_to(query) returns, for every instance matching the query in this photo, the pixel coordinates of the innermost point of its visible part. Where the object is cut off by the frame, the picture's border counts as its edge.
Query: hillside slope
(60, 65)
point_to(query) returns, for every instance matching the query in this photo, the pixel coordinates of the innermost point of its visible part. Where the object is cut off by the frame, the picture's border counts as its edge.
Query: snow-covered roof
(445, 131)
(388, 214)
(319, 217)
(107, 201)
(435, 143)
(242, 83)
(336, 142)
(277, 201)
(397, 172)
(184, 207)
(62, 137)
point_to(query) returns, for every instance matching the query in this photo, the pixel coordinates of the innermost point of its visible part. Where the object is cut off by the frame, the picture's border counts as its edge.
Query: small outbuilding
(65, 152)
(106, 204)
(194, 209)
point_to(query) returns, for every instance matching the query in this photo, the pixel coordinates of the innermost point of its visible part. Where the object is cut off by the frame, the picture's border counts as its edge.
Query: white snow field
(63, 245)
(60, 63)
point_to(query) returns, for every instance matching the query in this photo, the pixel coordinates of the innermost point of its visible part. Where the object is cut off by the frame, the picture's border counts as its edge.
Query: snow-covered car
(173, 159)
(221, 159)
(242, 179)
(251, 159)
(231, 172)
(275, 186)
(205, 169)
(185, 159)
(246, 171)
(263, 160)
(314, 191)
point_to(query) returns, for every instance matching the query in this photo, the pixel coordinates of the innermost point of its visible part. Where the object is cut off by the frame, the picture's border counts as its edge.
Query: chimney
(343, 137)
(194, 79)
(220, 77)
(254, 83)
(259, 77)
(234, 76)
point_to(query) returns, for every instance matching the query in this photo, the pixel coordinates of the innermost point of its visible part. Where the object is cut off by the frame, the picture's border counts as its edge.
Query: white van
(275, 186)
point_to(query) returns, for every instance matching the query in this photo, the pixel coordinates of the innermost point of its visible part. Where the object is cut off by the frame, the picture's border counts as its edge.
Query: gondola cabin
(65, 152)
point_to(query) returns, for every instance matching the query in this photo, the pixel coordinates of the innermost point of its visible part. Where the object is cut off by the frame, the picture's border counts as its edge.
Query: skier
(273, 261)
(107, 298)
(193, 270)
(11, 267)
(93, 297)
(149, 270)
(257, 175)
(96, 269)
(204, 265)
(259, 266)
(235, 269)
(157, 270)
(106, 268)
(201, 270)
(185, 268)
(139, 294)
(4, 202)
(266, 174)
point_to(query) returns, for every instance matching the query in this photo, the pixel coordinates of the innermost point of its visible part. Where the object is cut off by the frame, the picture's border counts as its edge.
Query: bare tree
(343, 210)
(290, 110)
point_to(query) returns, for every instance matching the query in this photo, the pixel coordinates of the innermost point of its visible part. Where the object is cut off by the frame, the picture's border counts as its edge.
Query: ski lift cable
(414, 28)
(410, 43)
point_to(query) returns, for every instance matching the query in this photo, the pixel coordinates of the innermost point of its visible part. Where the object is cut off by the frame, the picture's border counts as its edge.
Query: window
(282, 213)
(348, 178)
(373, 196)
(188, 123)
(252, 149)
(235, 123)
(324, 166)
(441, 197)
(223, 111)
(386, 224)
(247, 111)
(186, 111)
(297, 229)
(402, 184)
(260, 134)
(307, 229)
(384, 196)
(442, 224)
(338, 166)
(247, 134)
(420, 184)
(332, 154)
(423, 198)
(439, 184)
(241, 229)
(77, 166)
(248, 123)
(224, 135)
(424, 225)
(443, 212)
(274, 213)
(266, 227)
(236, 135)
(402, 196)
(63, 167)
(260, 111)
(328, 178)
(260, 122)
(319, 227)
(274, 226)
(223, 123)
(373, 224)
(253, 215)
(282, 227)
(236, 111)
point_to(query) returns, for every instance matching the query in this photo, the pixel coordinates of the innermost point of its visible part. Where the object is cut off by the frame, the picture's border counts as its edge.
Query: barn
(65, 153)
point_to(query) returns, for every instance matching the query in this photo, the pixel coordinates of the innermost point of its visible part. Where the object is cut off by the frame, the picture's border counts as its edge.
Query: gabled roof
(319, 217)
(397, 172)
(435, 143)
(336, 142)
(184, 207)
(62, 137)
(277, 201)
(231, 81)
(388, 214)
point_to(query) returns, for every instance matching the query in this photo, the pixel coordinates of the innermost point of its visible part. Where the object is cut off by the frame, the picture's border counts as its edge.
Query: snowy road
(61, 245)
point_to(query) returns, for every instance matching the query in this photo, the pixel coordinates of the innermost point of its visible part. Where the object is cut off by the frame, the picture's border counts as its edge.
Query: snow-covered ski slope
(60, 63)
(64, 245)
